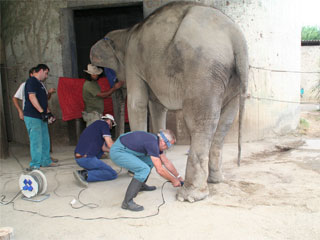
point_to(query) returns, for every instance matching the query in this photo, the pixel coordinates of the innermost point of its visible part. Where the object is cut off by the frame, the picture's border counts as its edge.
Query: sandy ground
(275, 194)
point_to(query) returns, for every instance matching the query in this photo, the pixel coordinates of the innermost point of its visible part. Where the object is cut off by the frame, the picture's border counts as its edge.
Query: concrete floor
(226, 214)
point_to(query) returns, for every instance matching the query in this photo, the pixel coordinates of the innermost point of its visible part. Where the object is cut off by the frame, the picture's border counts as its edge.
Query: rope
(276, 70)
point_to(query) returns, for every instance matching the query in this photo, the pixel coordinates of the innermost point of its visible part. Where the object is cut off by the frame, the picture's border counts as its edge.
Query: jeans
(139, 163)
(39, 142)
(97, 169)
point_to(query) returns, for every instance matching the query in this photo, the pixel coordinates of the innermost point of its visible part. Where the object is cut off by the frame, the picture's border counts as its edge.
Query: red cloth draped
(71, 101)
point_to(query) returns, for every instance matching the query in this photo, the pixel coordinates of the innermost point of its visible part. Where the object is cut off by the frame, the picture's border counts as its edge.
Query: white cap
(109, 116)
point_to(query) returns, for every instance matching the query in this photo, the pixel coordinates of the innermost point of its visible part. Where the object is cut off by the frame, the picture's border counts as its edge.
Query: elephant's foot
(215, 177)
(192, 194)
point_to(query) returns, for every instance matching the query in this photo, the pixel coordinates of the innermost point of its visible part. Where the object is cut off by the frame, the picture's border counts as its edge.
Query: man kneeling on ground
(93, 142)
(138, 152)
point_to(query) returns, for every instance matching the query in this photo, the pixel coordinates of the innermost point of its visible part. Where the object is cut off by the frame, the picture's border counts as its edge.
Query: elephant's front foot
(215, 177)
(192, 194)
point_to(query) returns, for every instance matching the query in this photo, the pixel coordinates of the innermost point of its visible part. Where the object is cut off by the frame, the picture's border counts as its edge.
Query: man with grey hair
(138, 152)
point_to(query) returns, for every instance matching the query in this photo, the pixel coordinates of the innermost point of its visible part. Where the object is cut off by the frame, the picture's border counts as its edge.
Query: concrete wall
(36, 32)
(40, 31)
(310, 62)
(272, 29)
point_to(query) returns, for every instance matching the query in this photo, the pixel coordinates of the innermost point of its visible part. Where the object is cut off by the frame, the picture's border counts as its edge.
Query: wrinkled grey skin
(184, 56)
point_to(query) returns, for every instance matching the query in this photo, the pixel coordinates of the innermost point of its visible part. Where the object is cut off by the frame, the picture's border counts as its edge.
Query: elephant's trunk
(118, 102)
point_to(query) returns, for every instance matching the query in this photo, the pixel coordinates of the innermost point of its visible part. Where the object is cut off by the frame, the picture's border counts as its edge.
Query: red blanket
(71, 101)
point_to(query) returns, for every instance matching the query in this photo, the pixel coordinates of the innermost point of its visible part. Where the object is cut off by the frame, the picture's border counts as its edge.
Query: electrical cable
(3, 197)
(89, 205)
(96, 218)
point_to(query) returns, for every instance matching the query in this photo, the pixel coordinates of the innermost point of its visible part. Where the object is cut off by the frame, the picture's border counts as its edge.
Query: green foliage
(304, 124)
(310, 33)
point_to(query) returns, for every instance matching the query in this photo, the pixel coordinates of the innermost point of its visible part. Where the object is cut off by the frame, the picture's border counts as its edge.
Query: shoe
(145, 187)
(54, 160)
(80, 178)
(29, 169)
(52, 165)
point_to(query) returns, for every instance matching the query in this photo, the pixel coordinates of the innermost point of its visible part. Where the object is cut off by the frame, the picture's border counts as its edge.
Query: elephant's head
(110, 51)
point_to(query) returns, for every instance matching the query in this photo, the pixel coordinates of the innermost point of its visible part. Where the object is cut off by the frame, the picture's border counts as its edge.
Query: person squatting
(137, 151)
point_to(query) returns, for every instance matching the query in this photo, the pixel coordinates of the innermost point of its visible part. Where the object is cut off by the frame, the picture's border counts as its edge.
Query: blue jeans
(139, 163)
(39, 142)
(97, 169)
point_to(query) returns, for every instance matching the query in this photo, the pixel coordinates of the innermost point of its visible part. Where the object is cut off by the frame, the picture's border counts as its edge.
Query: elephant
(190, 57)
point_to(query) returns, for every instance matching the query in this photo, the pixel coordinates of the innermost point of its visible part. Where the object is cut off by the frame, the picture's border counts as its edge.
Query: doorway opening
(92, 25)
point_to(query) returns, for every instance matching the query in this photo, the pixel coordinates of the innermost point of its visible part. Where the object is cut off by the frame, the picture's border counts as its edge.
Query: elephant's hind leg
(228, 114)
(201, 125)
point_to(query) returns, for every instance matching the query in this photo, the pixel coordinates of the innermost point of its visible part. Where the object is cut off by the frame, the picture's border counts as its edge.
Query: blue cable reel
(33, 183)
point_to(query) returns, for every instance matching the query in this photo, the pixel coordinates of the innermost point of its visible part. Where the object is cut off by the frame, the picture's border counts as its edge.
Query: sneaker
(52, 165)
(29, 169)
(80, 179)
(54, 160)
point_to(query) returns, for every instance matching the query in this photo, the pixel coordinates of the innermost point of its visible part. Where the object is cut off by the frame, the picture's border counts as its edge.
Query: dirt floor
(275, 194)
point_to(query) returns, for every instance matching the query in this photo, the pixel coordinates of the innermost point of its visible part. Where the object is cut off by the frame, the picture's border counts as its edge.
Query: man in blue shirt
(93, 142)
(138, 152)
(36, 114)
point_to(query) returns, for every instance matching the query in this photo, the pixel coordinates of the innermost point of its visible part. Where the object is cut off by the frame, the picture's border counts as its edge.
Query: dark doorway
(92, 25)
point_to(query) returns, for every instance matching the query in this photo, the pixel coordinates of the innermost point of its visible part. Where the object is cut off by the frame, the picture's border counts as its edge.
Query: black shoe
(80, 178)
(29, 169)
(84, 173)
(132, 206)
(145, 187)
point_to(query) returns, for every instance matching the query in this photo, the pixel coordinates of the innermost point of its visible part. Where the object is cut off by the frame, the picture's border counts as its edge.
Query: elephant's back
(176, 44)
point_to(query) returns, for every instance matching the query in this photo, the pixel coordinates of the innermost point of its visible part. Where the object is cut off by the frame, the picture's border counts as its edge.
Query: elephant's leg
(158, 115)
(137, 104)
(202, 117)
(228, 114)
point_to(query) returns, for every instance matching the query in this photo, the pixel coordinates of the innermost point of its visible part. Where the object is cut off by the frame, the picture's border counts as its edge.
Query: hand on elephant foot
(192, 194)
(215, 177)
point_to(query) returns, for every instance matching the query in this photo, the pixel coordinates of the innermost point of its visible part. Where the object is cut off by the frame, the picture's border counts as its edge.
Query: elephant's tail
(242, 69)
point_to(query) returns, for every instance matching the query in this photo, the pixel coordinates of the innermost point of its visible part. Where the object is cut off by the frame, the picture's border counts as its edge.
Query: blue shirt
(92, 138)
(33, 85)
(142, 142)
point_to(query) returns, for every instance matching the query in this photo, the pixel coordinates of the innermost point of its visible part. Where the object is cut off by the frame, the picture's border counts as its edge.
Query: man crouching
(93, 142)
(138, 152)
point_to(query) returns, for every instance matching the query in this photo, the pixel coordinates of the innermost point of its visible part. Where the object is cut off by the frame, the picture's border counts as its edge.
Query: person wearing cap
(93, 96)
(93, 142)
(138, 152)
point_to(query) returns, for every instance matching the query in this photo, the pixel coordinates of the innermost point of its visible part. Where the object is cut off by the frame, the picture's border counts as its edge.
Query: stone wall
(31, 35)
(310, 62)
(272, 30)
(34, 32)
